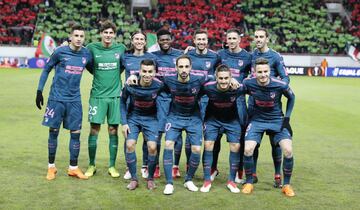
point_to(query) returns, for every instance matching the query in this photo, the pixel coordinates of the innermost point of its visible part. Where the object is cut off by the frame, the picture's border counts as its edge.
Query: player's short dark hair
(148, 62)
(106, 25)
(78, 27)
(183, 57)
(234, 30)
(222, 68)
(200, 31)
(263, 29)
(163, 32)
(261, 61)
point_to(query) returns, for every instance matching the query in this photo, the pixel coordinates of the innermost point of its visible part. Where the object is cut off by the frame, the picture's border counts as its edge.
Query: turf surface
(326, 147)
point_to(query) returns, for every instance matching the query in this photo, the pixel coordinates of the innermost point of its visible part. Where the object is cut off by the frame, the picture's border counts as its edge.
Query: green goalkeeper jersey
(106, 69)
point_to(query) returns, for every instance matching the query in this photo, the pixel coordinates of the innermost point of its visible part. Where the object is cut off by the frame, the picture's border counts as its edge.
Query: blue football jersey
(69, 66)
(131, 63)
(239, 63)
(204, 63)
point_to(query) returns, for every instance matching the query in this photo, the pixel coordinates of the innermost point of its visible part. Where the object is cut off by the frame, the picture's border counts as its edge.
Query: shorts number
(167, 126)
(92, 110)
(49, 112)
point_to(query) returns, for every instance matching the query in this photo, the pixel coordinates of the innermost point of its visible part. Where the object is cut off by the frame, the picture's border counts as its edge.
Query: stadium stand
(183, 17)
(54, 19)
(17, 21)
(298, 26)
(354, 5)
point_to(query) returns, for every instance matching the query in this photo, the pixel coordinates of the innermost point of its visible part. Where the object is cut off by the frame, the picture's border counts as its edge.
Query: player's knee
(169, 145)
(152, 149)
(94, 129)
(113, 129)
(234, 147)
(209, 145)
(75, 131)
(249, 150)
(288, 153)
(196, 149)
(130, 145)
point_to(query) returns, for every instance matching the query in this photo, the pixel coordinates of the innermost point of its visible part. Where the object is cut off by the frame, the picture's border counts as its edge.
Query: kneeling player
(268, 117)
(221, 117)
(140, 116)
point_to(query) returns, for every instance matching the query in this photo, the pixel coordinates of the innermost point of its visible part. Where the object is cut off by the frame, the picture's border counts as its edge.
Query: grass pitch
(326, 150)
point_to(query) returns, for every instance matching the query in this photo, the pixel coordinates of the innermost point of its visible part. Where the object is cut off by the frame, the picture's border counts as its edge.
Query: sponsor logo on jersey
(208, 64)
(240, 63)
(272, 95)
(107, 66)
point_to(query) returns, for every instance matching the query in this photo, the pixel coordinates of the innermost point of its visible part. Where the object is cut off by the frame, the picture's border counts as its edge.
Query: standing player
(104, 97)
(130, 62)
(204, 61)
(184, 115)
(166, 58)
(220, 118)
(140, 116)
(268, 117)
(277, 69)
(64, 104)
(239, 62)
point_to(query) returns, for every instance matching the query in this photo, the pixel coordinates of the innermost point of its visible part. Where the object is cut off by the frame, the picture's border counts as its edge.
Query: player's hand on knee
(132, 80)
(39, 99)
(286, 124)
(125, 130)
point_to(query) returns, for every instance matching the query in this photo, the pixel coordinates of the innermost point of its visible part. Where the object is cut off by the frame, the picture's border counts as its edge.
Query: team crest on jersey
(117, 55)
(208, 64)
(83, 60)
(272, 95)
(193, 90)
(154, 95)
(174, 61)
(240, 63)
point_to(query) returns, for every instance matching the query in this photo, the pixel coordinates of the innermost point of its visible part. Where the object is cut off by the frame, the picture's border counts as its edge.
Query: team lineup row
(169, 91)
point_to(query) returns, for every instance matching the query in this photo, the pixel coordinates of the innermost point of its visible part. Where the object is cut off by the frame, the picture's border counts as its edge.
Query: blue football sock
(277, 158)
(248, 166)
(151, 166)
(131, 164)
(207, 160)
(158, 148)
(287, 169)
(52, 145)
(193, 165)
(145, 152)
(187, 152)
(74, 148)
(177, 150)
(168, 164)
(255, 158)
(234, 159)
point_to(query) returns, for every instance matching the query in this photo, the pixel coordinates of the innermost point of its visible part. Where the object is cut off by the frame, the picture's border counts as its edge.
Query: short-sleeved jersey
(142, 100)
(267, 99)
(277, 66)
(239, 63)
(166, 61)
(184, 96)
(131, 63)
(222, 104)
(106, 69)
(204, 63)
(69, 66)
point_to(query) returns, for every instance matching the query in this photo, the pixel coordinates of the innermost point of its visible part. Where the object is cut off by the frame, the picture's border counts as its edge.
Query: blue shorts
(214, 127)
(242, 110)
(148, 125)
(163, 105)
(192, 125)
(256, 129)
(70, 113)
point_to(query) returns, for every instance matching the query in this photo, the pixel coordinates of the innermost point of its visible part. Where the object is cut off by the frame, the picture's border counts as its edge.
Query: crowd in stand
(17, 21)
(295, 26)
